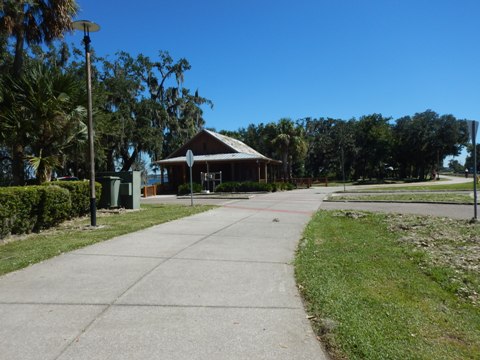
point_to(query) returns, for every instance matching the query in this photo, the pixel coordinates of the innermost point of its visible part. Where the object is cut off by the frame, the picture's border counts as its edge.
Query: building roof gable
(225, 144)
(221, 148)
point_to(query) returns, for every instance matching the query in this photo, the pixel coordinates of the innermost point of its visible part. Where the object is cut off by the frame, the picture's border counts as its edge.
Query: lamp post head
(87, 27)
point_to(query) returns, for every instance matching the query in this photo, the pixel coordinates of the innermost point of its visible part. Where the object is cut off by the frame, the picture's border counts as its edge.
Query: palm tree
(32, 22)
(291, 144)
(44, 114)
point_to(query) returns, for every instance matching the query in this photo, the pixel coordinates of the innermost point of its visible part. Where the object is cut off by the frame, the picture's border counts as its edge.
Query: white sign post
(190, 160)
(473, 130)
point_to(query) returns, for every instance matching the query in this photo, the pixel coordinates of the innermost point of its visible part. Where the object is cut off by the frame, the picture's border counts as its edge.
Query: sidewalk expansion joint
(226, 307)
(122, 256)
(50, 304)
(236, 261)
(270, 210)
(108, 306)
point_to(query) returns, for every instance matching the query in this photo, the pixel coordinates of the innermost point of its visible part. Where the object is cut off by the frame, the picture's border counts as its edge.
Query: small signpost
(190, 160)
(473, 130)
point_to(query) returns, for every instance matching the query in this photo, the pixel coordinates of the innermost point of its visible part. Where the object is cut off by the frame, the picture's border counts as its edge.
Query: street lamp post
(475, 199)
(472, 126)
(87, 27)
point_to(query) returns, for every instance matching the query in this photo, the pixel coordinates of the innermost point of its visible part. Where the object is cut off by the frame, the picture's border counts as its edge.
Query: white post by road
(190, 160)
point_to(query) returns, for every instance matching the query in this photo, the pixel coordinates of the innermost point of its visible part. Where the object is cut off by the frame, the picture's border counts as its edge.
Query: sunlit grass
(369, 297)
(408, 197)
(432, 186)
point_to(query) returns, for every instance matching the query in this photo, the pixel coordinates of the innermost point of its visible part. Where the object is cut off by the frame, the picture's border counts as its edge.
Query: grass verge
(372, 294)
(433, 186)
(74, 234)
(410, 197)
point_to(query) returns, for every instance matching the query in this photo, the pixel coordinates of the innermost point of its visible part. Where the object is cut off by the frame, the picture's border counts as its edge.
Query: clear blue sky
(261, 60)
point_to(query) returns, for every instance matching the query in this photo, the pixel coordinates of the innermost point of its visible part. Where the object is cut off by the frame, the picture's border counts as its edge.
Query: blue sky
(262, 60)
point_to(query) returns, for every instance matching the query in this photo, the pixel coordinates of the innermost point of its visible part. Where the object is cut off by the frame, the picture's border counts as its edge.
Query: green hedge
(31, 208)
(24, 209)
(54, 207)
(18, 209)
(184, 189)
(80, 195)
(251, 186)
(281, 186)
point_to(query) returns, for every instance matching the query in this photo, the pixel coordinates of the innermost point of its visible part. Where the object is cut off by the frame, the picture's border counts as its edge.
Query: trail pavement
(216, 285)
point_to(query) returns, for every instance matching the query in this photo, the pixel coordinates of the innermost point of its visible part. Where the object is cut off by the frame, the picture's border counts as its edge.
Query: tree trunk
(110, 160)
(402, 171)
(284, 165)
(19, 42)
(129, 160)
(421, 171)
(18, 170)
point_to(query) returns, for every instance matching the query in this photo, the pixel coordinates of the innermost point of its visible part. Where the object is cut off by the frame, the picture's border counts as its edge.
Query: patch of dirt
(446, 243)
(350, 214)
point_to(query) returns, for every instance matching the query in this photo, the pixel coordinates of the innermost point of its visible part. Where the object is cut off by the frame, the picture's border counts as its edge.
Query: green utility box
(110, 191)
(129, 189)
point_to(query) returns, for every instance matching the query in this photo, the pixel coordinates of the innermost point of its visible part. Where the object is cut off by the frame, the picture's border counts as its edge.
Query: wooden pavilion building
(217, 158)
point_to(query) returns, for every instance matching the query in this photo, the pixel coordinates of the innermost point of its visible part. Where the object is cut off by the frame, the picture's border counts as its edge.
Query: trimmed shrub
(32, 208)
(18, 209)
(230, 186)
(248, 186)
(80, 195)
(184, 189)
(282, 186)
(55, 206)
(24, 209)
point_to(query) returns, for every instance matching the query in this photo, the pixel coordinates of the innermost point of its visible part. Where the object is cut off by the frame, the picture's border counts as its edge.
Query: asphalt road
(443, 210)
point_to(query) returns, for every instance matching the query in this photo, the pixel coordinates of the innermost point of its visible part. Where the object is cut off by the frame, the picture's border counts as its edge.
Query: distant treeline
(372, 146)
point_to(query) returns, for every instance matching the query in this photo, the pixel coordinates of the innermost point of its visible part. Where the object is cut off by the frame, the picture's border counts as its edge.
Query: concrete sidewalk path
(217, 285)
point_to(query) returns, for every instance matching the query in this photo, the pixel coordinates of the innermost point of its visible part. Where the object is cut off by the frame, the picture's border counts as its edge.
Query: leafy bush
(31, 208)
(248, 186)
(80, 195)
(282, 186)
(185, 188)
(18, 209)
(230, 186)
(24, 209)
(54, 207)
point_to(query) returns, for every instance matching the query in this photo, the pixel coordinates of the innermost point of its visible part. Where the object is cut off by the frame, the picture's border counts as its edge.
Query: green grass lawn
(414, 197)
(372, 294)
(33, 248)
(432, 186)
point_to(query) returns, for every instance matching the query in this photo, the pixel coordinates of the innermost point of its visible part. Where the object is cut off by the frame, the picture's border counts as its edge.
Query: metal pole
(474, 135)
(93, 206)
(191, 187)
(343, 169)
